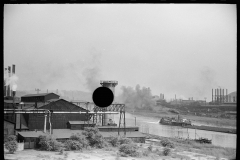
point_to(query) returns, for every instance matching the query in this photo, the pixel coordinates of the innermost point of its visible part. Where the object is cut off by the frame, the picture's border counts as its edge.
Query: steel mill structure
(220, 97)
(7, 87)
(111, 85)
(52, 111)
(10, 101)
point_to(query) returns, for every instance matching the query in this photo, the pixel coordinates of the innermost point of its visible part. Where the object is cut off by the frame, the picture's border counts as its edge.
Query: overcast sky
(182, 49)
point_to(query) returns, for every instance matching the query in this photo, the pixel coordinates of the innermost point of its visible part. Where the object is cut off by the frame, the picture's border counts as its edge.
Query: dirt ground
(101, 154)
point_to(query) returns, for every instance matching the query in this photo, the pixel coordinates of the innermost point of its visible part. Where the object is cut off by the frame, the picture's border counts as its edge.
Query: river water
(152, 126)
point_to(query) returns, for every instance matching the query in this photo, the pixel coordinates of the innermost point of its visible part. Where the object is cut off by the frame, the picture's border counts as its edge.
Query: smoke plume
(208, 80)
(92, 78)
(136, 98)
(12, 81)
(92, 72)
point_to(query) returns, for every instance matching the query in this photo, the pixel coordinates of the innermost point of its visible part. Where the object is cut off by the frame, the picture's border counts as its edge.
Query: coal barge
(179, 121)
(186, 123)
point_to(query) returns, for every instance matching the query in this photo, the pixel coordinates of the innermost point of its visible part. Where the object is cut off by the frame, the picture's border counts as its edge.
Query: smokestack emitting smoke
(9, 75)
(11, 80)
(5, 81)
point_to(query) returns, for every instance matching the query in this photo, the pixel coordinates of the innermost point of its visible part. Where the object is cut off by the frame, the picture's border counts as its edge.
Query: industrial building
(41, 97)
(45, 113)
(159, 100)
(59, 121)
(232, 97)
(10, 101)
(221, 97)
(31, 138)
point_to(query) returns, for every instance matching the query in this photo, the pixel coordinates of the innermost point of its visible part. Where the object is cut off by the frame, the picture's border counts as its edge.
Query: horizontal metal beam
(26, 109)
(57, 112)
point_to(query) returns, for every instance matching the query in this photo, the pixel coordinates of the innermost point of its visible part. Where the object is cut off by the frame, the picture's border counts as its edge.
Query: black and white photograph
(120, 81)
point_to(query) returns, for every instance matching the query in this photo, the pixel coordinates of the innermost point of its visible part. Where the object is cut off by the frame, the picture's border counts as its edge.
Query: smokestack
(219, 95)
(227, 95)
(220, 90)
(9, 75)
(13, 72)
(13, 69)
(5, 86)
(215, 95)
(223, 96)
(212, 95)
(175, 96)
(163, 96)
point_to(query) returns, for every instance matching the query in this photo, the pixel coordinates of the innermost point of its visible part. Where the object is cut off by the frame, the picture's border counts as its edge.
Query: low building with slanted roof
(31, 138)
(58, 120)
(41, 97)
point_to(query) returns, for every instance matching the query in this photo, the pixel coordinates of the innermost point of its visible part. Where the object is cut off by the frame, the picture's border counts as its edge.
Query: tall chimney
(219, 95)
(227, 95)
(9, 75)
(220, 90)
(215, 96)
(5, 86)
(223, 96)
(13, 72)
(175, 96)
(163, 96)
(212, 95)
(13, 69)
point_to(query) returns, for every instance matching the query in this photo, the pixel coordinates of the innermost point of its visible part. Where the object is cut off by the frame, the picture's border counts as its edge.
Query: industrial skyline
(182, 49)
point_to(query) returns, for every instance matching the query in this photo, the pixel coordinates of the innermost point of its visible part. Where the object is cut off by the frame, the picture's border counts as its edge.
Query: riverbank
(184, 145)
(214, 129)
(151, 150)
(199, 120)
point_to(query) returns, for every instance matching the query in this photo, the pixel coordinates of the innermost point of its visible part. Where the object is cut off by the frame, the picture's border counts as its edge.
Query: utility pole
(37, 90)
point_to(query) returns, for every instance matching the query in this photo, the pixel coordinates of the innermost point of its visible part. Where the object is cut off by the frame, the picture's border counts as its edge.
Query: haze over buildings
(182, 49)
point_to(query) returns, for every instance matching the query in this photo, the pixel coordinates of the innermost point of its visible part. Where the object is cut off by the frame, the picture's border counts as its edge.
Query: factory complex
(33, 115)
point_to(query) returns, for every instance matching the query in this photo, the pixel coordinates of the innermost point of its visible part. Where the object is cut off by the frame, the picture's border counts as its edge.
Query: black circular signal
(103, 97)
